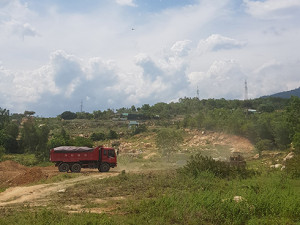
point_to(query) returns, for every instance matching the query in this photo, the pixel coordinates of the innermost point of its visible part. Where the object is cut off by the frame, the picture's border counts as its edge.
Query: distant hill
(285, 94)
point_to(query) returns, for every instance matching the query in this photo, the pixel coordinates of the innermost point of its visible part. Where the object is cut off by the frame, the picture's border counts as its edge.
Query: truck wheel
(104, 167)
(64, 167)
(76, 168)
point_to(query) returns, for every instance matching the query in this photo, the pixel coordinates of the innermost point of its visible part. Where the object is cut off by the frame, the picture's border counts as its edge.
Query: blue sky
(118, 53)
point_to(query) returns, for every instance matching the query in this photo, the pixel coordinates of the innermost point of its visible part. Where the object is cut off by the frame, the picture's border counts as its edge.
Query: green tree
(112, 135)
(12, 129)
(29, 138)
(82, 141)
(293, 114)
(9, 143)
(168, 140)
(61, 139)
(68, 115)
(296, 142)
(133, 109)
(4, 117)
(97, 136)
(42, 151)
(34, 139)
(29, 113)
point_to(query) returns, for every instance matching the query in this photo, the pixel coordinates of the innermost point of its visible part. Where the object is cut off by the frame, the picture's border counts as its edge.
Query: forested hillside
(286, 94)
(269, 123)
(172, 166)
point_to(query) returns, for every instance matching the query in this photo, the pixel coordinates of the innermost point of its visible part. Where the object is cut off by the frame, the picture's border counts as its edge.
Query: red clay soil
(15, 174)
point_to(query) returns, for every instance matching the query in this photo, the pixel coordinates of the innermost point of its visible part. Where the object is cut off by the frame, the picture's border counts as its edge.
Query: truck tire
(64, 167)
(76, 167)
(104, 167)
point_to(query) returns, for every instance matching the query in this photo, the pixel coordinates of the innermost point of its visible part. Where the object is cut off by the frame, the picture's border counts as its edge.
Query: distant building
(133, 124)
(251, 111)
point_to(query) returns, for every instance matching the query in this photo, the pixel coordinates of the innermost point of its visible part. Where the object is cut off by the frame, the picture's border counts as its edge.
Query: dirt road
(36, 193)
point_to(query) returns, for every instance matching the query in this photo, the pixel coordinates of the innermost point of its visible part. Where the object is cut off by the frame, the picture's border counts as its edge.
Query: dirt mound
(204, 138)
(9, 165)
(29, 176)
(14, 174)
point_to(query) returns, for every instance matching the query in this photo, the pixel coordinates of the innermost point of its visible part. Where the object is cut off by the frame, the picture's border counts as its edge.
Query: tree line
(273, 123)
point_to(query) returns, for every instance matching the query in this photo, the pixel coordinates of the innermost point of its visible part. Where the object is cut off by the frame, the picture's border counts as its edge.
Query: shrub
(140, 129)
(296, 142)
(81, 141)
(97, 136)
(56, 142)
(293, 166)
(264, 144)
(112, 135)
(199, 164)
(68, 115)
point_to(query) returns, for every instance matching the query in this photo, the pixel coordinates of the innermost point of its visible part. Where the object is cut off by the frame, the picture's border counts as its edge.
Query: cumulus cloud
(223, 78)
(273, 8)
(14, 19)
(171, 52)
(265, 78)
(217, 42)
(150, 69)
(181, 48)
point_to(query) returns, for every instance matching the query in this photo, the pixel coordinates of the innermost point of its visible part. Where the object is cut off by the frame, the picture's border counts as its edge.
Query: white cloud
(14, 18)
(217, 42)
(126, 2)
(223, 78)
(275, 76)
(21, 30)
(181, 48)
(105, 63)
(270, 9)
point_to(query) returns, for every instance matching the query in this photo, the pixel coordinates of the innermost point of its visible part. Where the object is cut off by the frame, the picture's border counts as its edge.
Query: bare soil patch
(15, 174)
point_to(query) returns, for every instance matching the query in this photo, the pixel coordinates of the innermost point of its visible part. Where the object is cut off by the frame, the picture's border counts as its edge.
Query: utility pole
(197, 92)
(81, 105)
(246, 90)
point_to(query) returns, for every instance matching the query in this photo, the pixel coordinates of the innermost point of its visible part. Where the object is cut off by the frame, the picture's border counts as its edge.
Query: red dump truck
(74, 158)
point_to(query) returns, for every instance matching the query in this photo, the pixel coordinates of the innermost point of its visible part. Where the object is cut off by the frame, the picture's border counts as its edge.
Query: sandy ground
(33, 194)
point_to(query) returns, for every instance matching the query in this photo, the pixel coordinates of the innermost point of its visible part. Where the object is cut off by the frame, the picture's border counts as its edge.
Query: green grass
(168, 197)
(55, 217)
(58, 178)
(26, 160)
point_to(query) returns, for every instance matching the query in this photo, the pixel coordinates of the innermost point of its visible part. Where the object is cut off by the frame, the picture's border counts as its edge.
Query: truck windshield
(111, 153)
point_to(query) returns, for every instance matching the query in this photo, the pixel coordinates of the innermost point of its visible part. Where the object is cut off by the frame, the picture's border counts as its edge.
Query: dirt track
(34, 194)
(15, 176)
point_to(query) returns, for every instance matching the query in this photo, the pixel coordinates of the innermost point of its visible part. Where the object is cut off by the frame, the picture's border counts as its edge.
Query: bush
(293, 166)
(68, 115)
(263, 145)
(56, 142)
(140, 129)
(199, 164)
(97, 136)
(112, 135)
(296, 142)
(81, 141)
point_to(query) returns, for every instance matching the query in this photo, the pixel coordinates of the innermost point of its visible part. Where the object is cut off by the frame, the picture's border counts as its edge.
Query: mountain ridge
(285, 94)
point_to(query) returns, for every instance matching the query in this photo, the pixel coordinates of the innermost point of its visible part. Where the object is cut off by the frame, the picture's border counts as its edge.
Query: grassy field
(150, 189)
(170, 197)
